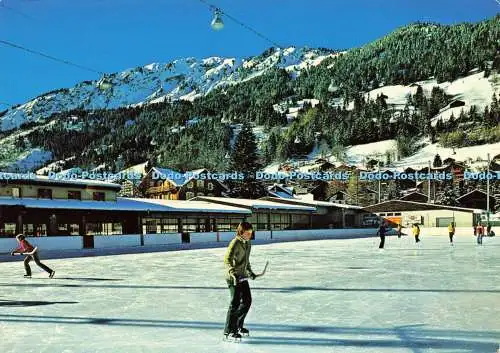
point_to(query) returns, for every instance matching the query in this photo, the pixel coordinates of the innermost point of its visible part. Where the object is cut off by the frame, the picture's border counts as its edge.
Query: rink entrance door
(88, 241)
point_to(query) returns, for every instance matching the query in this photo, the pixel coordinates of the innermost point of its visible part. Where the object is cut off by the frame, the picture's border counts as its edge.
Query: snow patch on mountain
(186, 78)
(474, 89)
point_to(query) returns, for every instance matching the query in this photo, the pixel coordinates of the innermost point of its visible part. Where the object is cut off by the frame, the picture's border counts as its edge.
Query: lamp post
(379, 181)
(488, 161)
(429, 184)
(488, 192)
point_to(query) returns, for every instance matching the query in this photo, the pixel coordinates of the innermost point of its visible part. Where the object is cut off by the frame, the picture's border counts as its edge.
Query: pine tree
(353, 188)
(437, 161)
(245, 160)
(448, 197)
(419, 98)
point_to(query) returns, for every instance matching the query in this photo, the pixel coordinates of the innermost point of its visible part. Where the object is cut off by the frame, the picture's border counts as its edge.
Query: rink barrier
(225, 236)
(443, 231)
(116, 241)
(262, 235)
(131, 240)
(203, 237)
(162, 239)
(310, 234)
(51, 243)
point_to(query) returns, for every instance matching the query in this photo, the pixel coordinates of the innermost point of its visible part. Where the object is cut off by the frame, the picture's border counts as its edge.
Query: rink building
(425, 214)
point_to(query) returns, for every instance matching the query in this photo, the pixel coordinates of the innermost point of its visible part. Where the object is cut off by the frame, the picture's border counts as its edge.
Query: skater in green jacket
(238, 270)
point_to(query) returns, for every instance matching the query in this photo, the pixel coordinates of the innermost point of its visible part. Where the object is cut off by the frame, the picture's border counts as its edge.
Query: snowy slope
(474, 89)
(474, 156)
(185, 78)
(14, 158)
(464, 154)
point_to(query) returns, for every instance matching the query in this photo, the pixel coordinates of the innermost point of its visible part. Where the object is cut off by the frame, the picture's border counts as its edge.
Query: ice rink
(317, 296)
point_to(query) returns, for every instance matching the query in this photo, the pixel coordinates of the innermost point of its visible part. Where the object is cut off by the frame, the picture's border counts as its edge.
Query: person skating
(451, 231)
(399, 230)
(416, 232)
(381, 231)
(480, 232)
(238, 270)
(31, 253)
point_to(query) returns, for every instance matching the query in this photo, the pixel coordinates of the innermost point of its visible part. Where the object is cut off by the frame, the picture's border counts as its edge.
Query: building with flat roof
(270, 215)
(426, 214)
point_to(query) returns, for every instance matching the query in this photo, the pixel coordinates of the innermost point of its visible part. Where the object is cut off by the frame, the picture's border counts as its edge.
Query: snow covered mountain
(181, 79)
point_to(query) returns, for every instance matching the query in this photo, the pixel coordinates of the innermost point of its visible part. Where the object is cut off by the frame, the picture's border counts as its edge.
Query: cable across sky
(234, 19)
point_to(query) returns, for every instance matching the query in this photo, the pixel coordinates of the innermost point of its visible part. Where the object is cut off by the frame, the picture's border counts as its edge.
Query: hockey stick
(263, 272)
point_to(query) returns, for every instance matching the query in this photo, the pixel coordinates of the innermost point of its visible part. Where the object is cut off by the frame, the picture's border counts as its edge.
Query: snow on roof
(192, 206)
(119, 205)
(317, 203)
(124, 204)
(56, 180)
(175, 177)
(256, 204)
(280, 194)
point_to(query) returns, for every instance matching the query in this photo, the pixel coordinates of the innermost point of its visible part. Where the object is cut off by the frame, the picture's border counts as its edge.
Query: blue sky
(113, 35)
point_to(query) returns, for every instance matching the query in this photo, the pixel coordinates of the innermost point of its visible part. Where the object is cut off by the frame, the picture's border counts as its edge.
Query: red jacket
(24, 246)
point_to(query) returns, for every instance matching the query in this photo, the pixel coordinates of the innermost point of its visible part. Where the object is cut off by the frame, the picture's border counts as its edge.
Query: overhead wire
(234, 19)
(87, 68)
(67, 62)
(7, 7)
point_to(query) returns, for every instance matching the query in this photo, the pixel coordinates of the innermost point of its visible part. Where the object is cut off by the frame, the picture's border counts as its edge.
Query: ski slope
(318, 296)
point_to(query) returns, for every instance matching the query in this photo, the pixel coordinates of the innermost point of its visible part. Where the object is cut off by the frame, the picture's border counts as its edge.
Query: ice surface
(317, 296)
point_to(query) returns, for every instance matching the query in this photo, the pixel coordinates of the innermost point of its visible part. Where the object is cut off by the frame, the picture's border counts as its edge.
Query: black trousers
(382, 241)
(451, 236)
(35, 258)
(241, 300)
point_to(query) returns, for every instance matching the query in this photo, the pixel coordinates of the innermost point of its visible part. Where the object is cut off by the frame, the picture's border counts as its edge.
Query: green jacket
(237, 258)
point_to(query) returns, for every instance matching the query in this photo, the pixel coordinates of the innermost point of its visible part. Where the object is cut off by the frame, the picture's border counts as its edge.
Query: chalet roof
(416, 193)
(179, 178)
(280, 194)
(475, 191)
(403, 205)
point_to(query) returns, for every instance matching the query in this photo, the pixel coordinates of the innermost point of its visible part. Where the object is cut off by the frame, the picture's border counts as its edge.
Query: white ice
(317, 296)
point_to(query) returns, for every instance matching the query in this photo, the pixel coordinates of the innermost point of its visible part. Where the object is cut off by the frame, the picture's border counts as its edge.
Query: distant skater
(31, 253)
(451, 231)
(381, 232)
(480, 233)
(416, 232)
(238, 270)
(399, 230)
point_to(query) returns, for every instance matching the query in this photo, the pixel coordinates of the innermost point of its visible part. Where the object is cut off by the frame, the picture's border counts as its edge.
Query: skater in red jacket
(31, 253)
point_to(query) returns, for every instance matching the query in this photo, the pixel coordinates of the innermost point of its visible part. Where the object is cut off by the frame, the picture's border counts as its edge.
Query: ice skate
(244, 332)
(232, 337)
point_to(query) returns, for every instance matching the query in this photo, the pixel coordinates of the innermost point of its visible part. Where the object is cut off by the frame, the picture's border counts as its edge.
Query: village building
(424, 214)
(168, 184)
